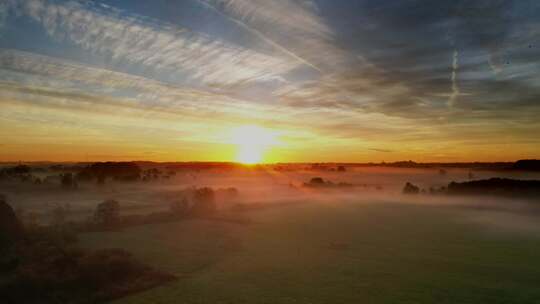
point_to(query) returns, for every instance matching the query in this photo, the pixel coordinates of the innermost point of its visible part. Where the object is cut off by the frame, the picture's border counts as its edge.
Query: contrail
(271, 42)
(455, 88)
(260, 35)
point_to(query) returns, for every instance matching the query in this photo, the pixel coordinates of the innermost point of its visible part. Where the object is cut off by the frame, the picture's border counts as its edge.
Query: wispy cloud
(380, 150)
(293, 27)
(154, 44)
(3, 16)
(63, 84)
(455, 88)
(346, 75)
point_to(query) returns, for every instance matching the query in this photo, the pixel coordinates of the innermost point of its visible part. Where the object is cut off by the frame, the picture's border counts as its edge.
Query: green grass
(393, 254)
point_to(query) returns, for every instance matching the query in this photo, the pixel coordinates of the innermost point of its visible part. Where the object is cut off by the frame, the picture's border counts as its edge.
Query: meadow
(368, 244)
(343, 251)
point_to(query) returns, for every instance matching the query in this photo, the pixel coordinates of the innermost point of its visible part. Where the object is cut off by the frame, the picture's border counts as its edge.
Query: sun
(252, 142)
(249, 155)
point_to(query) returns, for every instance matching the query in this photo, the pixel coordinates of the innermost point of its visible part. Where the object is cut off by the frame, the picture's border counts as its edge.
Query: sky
(326, 80)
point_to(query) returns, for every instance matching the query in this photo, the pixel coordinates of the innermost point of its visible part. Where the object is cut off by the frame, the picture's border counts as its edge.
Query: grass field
(341, 253)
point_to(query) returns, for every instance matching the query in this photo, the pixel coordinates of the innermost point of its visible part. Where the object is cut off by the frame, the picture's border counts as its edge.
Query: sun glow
(252, 142)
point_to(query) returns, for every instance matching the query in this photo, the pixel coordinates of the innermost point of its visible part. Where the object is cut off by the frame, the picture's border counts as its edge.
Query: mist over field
(297, 233)
(264, 186)
(269, 151)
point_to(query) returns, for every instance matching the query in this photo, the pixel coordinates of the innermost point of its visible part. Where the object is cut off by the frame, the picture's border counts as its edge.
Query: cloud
(3, 16)
(293, 27)
(59, 85)
(347, 74)
(154, 44)
(57, 75)
(455, 87)
(380, 150)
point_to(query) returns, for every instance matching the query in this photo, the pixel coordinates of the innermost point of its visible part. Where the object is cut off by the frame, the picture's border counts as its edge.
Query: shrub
(107, 214)
(317, 181)
(410, 189)
(49, 271)
(203, 202)
(67, 181)
(124, 171)
(11, 229)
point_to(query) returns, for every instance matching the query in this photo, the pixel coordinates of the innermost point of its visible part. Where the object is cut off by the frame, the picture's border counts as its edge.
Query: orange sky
(321, 81)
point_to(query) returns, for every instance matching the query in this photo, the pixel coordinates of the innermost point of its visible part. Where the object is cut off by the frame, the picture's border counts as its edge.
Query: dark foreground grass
(337, 253)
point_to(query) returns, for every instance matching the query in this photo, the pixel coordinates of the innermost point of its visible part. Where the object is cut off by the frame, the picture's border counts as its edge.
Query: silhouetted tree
(317, 181)
(107, 213)
(67, 181)
(123, 171)
(410, 189)
(203, 202)
(11, 229)
(527, 165)
(19, 170)
(496, 186)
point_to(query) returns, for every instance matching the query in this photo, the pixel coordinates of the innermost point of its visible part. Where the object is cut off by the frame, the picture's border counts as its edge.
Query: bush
(410, 189)
(68, 181)
(107, 214)
(203, 202)
(317, 181)
(123, 171)
(11, 229)
(49, 271)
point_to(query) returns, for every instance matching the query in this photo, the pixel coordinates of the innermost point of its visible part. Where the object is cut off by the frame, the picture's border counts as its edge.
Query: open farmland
(342, 252)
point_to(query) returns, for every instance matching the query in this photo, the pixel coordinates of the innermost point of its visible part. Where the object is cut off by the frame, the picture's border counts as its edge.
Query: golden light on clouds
(94, 82)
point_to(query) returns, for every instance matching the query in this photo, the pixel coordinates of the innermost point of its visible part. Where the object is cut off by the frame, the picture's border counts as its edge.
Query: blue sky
(352, 80)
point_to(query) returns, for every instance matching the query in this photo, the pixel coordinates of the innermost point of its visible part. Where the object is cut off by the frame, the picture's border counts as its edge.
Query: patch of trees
(527, 165)
(66, 168)
(17, 170)
(493, 186)
(11, 229)
(410, 189)
(22, 173)
(412, 164)
(156, 174)
(327, 167)
(107, 214)
(68, 181)
(45, 265)
(198, 203)
(200, 166)
(122, 171)
(319, 182)
(204, 202)
(496, 186)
